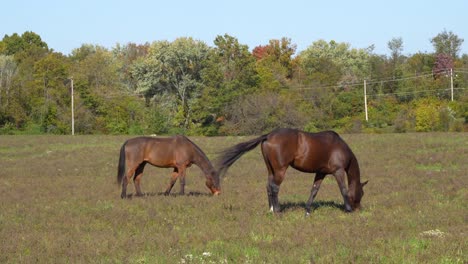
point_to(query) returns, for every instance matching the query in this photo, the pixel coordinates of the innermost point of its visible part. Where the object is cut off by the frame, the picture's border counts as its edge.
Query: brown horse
(320, 153)
(176, 152)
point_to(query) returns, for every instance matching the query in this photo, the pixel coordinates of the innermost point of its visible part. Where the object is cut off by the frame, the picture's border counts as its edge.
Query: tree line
(188, 87)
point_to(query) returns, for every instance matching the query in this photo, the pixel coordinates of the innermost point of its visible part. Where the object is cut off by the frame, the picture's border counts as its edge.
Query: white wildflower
(433, 233)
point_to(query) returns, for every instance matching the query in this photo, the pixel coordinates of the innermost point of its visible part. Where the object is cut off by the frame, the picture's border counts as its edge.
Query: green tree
(11, 44)
(353, 62)
(29, 44)
(447, 42)
(419, 63)
(275, 63)
(395, 45)
(8, 70)
(97, 66)
(125, 56)
(396, 59)
(101, 95)
(229, 73)
(175, 69)
(418, 68)
(51, 97)
(330, 73)
(25, 50)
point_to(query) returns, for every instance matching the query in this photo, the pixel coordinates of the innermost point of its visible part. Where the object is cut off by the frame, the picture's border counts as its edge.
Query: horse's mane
(199, 150)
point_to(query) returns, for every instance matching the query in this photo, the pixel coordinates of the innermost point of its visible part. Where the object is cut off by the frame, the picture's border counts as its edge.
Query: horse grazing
(176, 152)
(320, 153)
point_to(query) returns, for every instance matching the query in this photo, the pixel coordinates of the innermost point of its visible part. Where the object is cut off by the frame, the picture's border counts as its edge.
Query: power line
(381, 81)
(401, 79)
(371, 84)
(416, 92)
(396, 93)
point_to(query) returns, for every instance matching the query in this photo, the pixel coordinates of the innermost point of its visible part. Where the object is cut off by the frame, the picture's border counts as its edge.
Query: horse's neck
(352, 185)
(354, 175)
(203, 163)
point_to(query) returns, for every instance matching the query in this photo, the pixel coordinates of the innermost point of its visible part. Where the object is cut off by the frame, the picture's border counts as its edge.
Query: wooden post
(451, 84)
(365, 100)
(72, 110)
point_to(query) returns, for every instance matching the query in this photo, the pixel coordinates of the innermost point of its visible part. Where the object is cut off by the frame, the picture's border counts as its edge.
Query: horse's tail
(230, 155)
(121, 167)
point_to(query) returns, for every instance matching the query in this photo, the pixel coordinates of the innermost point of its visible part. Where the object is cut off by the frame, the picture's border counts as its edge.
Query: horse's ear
(364, 183)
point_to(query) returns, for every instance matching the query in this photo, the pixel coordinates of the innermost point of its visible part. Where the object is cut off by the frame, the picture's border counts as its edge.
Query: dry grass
(60, 203)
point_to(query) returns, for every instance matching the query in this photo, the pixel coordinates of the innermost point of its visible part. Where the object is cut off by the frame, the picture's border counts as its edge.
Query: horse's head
(356, 195)
(212, 182)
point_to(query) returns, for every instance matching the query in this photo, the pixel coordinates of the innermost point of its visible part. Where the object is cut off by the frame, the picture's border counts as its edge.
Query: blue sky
(66, 25)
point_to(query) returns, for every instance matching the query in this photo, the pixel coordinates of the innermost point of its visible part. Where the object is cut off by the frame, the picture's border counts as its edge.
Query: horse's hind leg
(125, 181)
(273, 187)
(272, 191)
(340, 178)
(276, 174)
(123, 195)
(315, 188)
(137, 178)
(174, 176)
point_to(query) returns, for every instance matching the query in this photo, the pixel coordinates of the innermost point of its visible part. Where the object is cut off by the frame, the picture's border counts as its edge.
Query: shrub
(427, 114)
(405, 120)
(7, 129)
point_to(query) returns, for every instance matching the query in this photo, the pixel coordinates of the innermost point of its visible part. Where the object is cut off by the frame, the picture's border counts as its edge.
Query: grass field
(60, 203)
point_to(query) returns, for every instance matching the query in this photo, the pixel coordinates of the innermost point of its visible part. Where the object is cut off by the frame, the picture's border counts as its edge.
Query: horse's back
(326, 139)
(146, 143)
(309, 152)
(297, 138)
(159, 151)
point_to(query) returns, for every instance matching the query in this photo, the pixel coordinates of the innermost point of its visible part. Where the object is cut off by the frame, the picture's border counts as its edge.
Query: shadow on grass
(152, 194)
(315, 205)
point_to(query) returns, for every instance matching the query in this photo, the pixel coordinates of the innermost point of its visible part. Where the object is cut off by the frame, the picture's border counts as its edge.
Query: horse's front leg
(315, 188)
(340, 178)
(182, 180)
(174, 176)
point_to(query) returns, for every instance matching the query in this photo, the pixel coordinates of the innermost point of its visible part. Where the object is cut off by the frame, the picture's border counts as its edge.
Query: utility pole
(72, 109)
(365, 100)
(451, 83)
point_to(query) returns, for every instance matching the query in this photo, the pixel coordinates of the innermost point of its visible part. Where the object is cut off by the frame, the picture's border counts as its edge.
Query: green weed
(60, 204)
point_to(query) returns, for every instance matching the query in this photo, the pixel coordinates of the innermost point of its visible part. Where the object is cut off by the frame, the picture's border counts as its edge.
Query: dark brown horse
(176, 152)
(320, 153)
